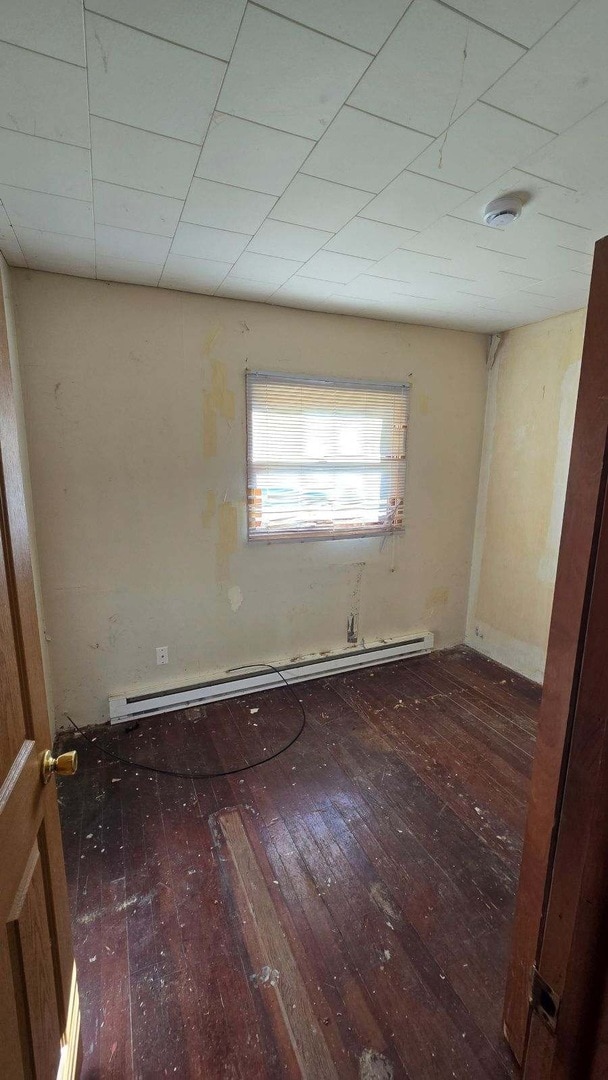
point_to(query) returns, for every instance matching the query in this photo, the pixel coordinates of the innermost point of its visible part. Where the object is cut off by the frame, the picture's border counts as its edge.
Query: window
(325, 457)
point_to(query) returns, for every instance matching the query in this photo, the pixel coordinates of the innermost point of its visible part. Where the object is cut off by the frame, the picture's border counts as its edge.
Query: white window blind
(325, 457)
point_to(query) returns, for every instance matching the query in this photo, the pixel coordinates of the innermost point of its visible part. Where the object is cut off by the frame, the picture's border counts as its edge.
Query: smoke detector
(503, 211)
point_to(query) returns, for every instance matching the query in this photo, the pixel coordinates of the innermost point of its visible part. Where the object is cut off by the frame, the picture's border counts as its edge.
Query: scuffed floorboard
(342, 911)
(267, 938)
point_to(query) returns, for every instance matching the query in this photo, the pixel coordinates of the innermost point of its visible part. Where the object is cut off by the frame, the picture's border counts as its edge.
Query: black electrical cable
(205, 775)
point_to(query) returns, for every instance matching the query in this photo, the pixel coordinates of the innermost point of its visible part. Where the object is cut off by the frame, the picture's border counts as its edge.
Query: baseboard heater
(251, 682)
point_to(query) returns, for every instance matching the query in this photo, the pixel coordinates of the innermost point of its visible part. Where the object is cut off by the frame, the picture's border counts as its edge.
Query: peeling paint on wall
(235, 597)
(210, 340)
(436, 599)
(226, 542)
(167, 541)
(218, 403)
(531, 404)
(547, 568)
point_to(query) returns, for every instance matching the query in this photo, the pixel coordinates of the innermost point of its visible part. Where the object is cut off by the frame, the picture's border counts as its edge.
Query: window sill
(306, 537)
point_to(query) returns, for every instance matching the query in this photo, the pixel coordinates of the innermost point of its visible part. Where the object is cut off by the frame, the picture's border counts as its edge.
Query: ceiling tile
(408, 265)
(437, 287)
(242, 289)
(535, 233)
(450, 236)
(126, 244)
(578, 158)
(577, 207)
(319, 204)
(129, 270)
(265, 268)
(137, 159)
(412, 201)
(357, 22)
(151, 84)
(9, 245)
(57, 253)
(192, 275)
(48, 213)
(565, 75)
(126, 208)
(251, 155)
(287, 241)
(374, 288)
(368, 239)
(565, 285)
(291, 181)
(519, 19)
(331, 266)
(287, 76)
(480, 146)
(42, 96)
(305, 289)
(199, 242)
(55, 29)
(364, 151)
(209, 28)
(434, 65)
(225, 207)
(43, 165)
(535, 193)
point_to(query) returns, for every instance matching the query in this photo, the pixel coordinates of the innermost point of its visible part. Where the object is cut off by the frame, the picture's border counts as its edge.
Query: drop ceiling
(335, 155)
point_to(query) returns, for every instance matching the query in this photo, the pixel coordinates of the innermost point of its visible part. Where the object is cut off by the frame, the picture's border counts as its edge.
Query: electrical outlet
(162, 654)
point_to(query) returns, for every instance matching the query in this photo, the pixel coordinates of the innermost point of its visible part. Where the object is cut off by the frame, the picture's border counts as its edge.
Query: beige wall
(136, 427)
(530, 413)
(6, 279)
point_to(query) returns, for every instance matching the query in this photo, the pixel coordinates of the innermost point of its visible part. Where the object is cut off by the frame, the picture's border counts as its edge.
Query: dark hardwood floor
(342, 911)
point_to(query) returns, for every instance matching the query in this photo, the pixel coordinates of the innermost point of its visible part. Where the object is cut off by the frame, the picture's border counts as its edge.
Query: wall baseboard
(123, 708)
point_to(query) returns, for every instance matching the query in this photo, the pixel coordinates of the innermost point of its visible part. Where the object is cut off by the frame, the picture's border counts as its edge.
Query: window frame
(342, 533)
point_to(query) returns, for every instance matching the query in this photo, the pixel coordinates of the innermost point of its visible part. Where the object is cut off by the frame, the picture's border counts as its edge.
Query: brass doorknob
(63, 764)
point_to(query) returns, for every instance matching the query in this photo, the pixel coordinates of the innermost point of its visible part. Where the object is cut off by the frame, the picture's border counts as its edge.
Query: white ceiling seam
(266, 150)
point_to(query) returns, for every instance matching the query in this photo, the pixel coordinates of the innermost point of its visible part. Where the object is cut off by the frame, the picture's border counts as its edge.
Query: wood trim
(573, 954)
(568, 623)
(39, 806)
(19, 531)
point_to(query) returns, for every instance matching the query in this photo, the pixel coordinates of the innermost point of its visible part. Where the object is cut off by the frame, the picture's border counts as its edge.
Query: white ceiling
(327, 154)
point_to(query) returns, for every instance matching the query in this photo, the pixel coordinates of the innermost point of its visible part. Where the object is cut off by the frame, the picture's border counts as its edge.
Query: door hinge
(544, 1000)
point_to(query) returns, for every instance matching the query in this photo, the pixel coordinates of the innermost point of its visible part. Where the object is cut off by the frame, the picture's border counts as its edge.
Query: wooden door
(561, 902)
(39, 1016)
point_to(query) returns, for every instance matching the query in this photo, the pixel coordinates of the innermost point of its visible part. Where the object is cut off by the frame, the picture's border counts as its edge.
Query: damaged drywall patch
(235, 597)
(218, 404)
(352, 620)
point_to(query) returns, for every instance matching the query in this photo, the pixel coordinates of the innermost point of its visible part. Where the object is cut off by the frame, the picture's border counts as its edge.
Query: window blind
(325, 457)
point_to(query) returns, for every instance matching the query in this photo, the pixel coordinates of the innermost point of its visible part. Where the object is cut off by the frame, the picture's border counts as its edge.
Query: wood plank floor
(384, 846)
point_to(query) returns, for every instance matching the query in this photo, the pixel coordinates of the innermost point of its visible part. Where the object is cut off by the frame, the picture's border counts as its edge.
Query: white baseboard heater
(251, 682)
